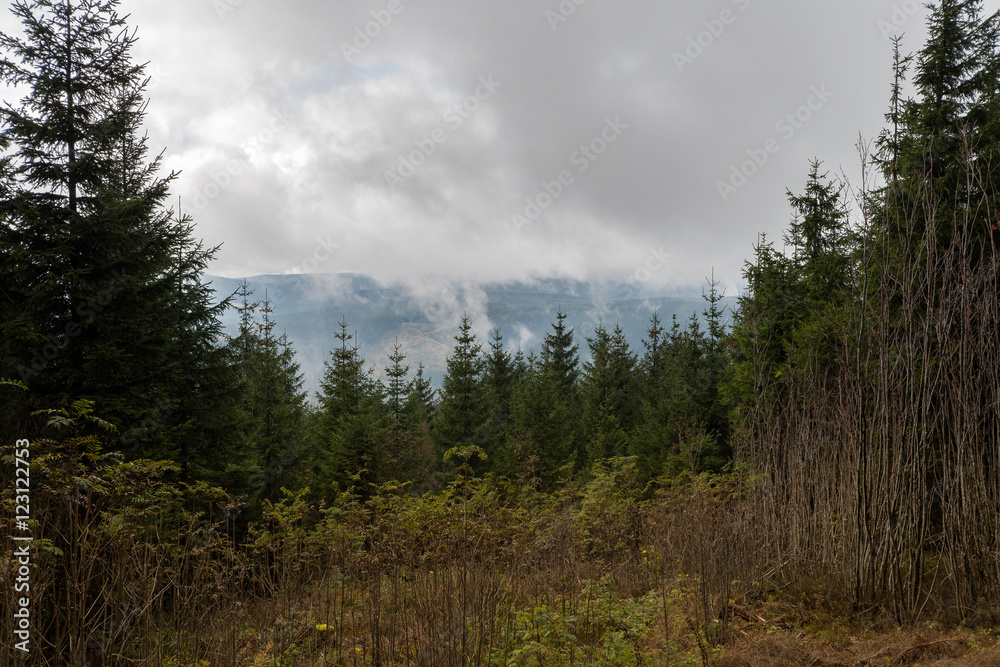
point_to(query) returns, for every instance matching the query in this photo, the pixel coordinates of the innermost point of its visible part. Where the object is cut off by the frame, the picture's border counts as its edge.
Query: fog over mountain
(424, 317)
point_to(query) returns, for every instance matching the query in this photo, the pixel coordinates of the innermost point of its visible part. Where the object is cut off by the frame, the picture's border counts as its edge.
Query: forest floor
(596, 625)
(833, 643)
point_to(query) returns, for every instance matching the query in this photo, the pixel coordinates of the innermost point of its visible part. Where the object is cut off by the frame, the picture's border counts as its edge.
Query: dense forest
(832, 452)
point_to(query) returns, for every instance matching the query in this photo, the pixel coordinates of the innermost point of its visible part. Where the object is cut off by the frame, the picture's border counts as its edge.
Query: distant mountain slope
(424, 318)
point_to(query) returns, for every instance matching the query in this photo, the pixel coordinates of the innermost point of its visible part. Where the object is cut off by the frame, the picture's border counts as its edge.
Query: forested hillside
(812, 478)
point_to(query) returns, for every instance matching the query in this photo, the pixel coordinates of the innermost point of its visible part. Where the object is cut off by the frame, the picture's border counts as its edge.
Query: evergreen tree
(421, 400)
(396, 386)
(768, 312)
(407, 436)
(459, 413)
(499, 381)
(953, 122)
(273, 401)
(352, 424)
(101, 287)
(560, 356)
(655, 431)
(611, 394)
(543, 429)
(819, 237)
(418, 413)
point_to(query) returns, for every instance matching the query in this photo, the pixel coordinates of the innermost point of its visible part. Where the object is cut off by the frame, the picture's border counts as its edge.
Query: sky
(643, 140)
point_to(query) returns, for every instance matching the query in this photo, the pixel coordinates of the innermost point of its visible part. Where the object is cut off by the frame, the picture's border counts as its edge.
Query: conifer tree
(543, 429)
(407, 415)
(419, 407)
(819, 237)
(101, 287)
(459, 412)
(611, 394)
(273, 402)
(352, 424)
(953, 122)
(560, 356)
(499, 382)
(654, 434)
(421, 399)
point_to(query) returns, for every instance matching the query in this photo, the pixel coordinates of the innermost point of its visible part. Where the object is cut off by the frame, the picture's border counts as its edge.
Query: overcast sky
(400, 138)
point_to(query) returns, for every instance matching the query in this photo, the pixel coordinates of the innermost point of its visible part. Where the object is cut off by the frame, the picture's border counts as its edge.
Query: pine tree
(352, 423)
(101, 287)
(543, 425)
(499, 382)
(954, 122)
(421, 399)
(459, 412)
(655, 430)
(561, 356)
(611, 394)
(273, 402)
(406, 425)
(819, 237)
(768, 312)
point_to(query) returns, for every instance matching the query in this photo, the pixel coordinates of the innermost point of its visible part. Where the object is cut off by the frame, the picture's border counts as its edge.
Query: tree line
(538, 417)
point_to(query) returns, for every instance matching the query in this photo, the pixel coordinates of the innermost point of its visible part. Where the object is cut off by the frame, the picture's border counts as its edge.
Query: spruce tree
(407, 421)
(273, 403)
(819, 237)
(560, 355)
(459, 413)
(543, 431)
(953, 122)
(654, 433)
(352, 424)
(102, 287)
(421, 399)
(499, 381)
(611, 393)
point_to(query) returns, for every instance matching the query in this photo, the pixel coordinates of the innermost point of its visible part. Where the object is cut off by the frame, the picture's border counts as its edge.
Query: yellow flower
(321, 627)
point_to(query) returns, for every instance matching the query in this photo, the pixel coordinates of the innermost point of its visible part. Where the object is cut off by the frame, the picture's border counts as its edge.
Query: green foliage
(272, 402)
(112, 538)
(546, 635)
(543, 424)
(351, 425)
(458, 419)
(102, 292)
(608, 513)
(788, 318)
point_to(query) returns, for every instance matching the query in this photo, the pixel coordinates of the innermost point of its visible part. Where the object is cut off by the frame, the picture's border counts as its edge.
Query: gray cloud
(224, 69)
